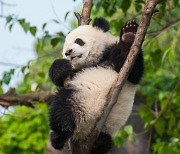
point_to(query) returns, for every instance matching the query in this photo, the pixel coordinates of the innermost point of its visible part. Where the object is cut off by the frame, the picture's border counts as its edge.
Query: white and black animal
(92, 58)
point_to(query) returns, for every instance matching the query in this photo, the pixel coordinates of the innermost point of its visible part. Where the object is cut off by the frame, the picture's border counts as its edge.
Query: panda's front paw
(59, 71)
(128, 31)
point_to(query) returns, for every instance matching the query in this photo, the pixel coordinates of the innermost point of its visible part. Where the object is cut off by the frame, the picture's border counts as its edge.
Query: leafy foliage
(122, 135)
(24, 131)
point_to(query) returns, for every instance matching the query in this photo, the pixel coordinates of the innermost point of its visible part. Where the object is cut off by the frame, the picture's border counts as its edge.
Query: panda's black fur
(67, 112)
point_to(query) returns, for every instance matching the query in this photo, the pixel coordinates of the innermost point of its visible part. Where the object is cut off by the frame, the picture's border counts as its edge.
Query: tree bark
(84, 18)
(10, 98)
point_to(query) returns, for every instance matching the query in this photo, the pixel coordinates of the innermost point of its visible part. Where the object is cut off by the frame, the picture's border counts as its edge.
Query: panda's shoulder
(108, 51)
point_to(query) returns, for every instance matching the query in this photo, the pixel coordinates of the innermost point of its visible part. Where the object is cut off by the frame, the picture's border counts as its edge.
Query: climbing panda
(92, 61)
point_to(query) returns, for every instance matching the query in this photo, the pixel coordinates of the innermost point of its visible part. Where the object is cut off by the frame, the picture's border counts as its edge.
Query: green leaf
(119, 3)
(6, 77)
(8, 19)
(138, 6)
(171, 57)
(98, 5)
(179, 71)
(41, 74)
(178, 125)
(119, 141)
(23, 69)
(176, 2)
(146, 115)
(33, 30)
(164, 55)
(46, 40)
(160, 126)
(21, 21)
(10, 27)
(55, 41)
(44, 26)
(172, 122)
(65, 17)
(61, 34)
(125, 5)
(1, 90)
(128, 129)
(26, 77)
(12, 71)
(25, 25)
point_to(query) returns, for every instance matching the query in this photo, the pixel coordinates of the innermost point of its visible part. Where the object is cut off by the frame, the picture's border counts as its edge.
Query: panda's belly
(92, 86)
(121, 110)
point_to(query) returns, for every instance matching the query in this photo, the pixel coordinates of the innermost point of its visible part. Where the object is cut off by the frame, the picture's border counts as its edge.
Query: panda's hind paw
(128, 31)
(103, 144)
(56, 141)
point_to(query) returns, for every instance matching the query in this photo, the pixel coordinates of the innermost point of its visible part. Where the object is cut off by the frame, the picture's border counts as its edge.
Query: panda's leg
(103, 144)
(61, 118)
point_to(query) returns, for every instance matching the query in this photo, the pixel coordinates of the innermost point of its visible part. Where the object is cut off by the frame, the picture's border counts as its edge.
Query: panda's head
(84, 46)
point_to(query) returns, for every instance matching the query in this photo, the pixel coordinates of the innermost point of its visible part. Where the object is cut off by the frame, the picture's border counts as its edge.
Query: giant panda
(92, 60)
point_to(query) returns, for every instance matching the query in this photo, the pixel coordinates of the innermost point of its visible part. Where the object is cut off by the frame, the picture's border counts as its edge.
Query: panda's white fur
(92, 51)
(92, 87)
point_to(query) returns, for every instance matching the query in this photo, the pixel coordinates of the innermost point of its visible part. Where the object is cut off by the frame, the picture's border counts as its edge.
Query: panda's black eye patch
(79, 42)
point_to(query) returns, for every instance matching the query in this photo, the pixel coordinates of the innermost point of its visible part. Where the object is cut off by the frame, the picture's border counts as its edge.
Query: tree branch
(10, 99)
(84, 18)
(170, 25)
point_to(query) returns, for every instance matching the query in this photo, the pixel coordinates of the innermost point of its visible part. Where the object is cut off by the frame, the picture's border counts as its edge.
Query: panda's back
(91, 88)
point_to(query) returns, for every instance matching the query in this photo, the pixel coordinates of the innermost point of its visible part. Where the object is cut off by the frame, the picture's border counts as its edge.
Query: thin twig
(59, 20)
(155, 34)
(7, 4)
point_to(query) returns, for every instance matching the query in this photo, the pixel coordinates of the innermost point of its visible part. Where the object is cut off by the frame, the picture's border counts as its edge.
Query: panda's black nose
(68, 52)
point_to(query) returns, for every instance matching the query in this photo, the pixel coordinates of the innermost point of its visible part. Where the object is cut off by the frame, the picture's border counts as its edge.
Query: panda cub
(92, 60)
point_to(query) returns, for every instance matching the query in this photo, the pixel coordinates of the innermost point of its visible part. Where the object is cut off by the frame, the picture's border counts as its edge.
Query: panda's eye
(79, 42)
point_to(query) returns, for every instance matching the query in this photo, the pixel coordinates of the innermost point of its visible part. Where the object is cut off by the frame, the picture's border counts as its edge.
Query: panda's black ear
(101, 23)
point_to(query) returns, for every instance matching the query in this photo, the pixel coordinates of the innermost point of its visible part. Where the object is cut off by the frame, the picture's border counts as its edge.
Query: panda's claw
(128, 31)
(130, 26)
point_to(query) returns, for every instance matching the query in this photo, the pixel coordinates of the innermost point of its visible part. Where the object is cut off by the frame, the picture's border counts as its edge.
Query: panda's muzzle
(68, 52)
(75, 57)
